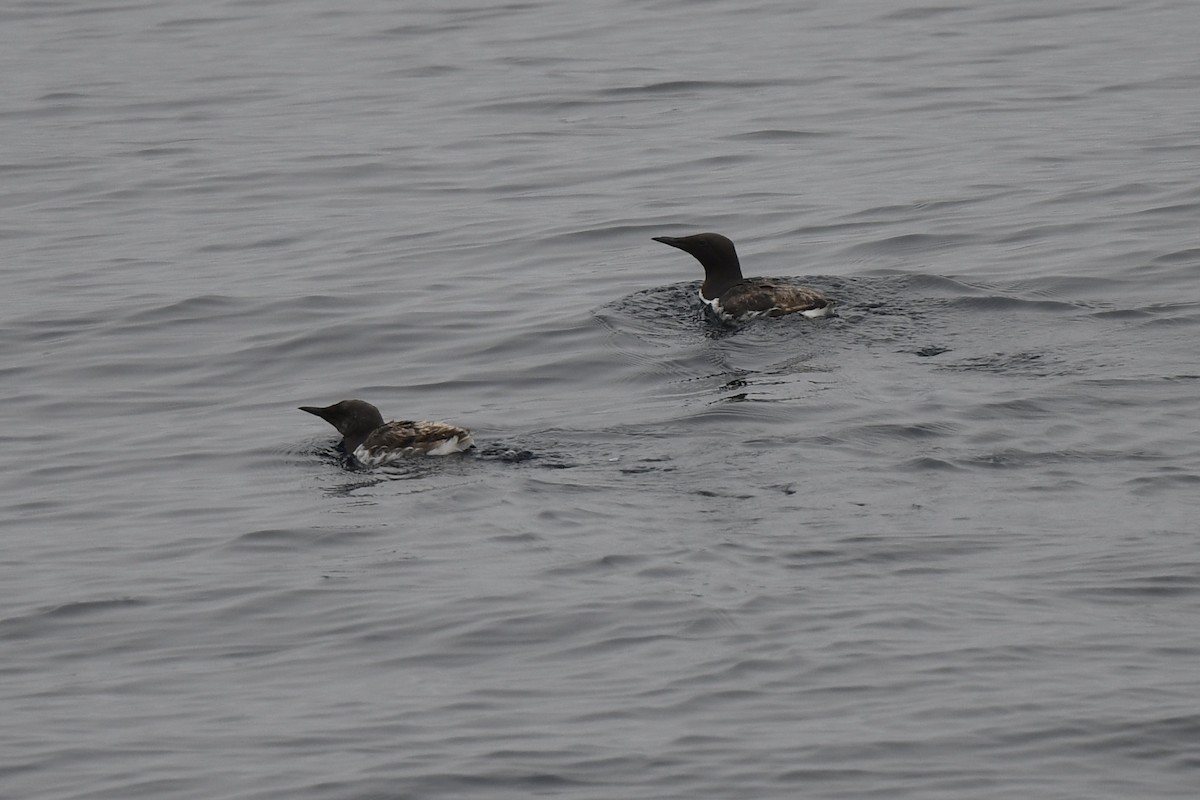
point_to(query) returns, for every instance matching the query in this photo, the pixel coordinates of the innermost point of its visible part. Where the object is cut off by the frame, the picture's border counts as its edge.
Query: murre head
(354, 420)
(716, 254)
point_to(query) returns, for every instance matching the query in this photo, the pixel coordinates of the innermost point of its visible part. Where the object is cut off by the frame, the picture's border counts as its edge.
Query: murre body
(372, 442)
(734, 298)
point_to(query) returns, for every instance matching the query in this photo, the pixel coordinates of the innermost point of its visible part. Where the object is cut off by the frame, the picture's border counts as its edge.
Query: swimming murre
(372, 442)
(734, 298)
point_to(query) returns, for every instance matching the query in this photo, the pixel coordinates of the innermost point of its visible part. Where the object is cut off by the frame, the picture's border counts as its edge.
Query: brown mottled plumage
(372, 442)
(731, 296)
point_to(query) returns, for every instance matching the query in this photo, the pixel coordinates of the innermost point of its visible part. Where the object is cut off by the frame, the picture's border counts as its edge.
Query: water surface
(941, 545)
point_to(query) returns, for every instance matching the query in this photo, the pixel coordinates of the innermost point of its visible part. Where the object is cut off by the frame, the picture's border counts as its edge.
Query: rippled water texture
(942, 545)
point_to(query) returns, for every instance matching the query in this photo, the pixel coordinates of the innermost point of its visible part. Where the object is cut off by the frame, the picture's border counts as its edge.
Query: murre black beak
(671, 240)
(320, 412)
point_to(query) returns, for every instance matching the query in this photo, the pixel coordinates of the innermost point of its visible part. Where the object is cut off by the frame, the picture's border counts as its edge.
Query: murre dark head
(354, 420)
(716, 254)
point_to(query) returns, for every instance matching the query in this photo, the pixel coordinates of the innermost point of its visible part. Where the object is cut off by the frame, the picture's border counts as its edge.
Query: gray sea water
(943, 545)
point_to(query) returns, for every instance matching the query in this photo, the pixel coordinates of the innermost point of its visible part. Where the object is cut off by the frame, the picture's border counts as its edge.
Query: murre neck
(716, 254)
(354, 420)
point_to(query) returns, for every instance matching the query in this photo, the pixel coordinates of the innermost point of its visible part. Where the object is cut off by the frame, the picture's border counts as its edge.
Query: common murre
(372, 442)
(734, 298)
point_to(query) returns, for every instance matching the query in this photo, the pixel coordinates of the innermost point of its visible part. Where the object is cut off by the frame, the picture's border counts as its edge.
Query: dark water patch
(43, 621)
(1166, 480)
(521, 453)
(925, 284)
(622, 561)
(723, 161)
(1051, 484)
(599, 566)
(686, 88)
(960, 106)
(203, 309)
(13, 376)
(1027, 364)
(1120, 315)
(1016, 458)
(1127, 589)
(88, 607)
(454, 19)
(922, 13)
(504, 779)
(1172, 322)
(661, 333)
(727, 414)
(929, 464)
(199, 22)
(1131, 383)
(649, 465)
(1026, 49)
(905, 433)
(666, 311)
(1162, 740)
(1173, 210)
(206, 100)
(508, 455)
(428, 71)
(722, 494)
(542, 106)
(1046, 232)
(905, 212)
(268, 243)
(521, 538)
(1121, 190)
(1171, 313)
(292, 539)
(158, 151)
(54, 97)
(1190, 256)
(908, 245)
(817, 231)
(778, 135)
(50, 329)
(889, 310)
(1004, 303)
(1022, 408)
(884, 551)
(1043, 13)
(1174, 144)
